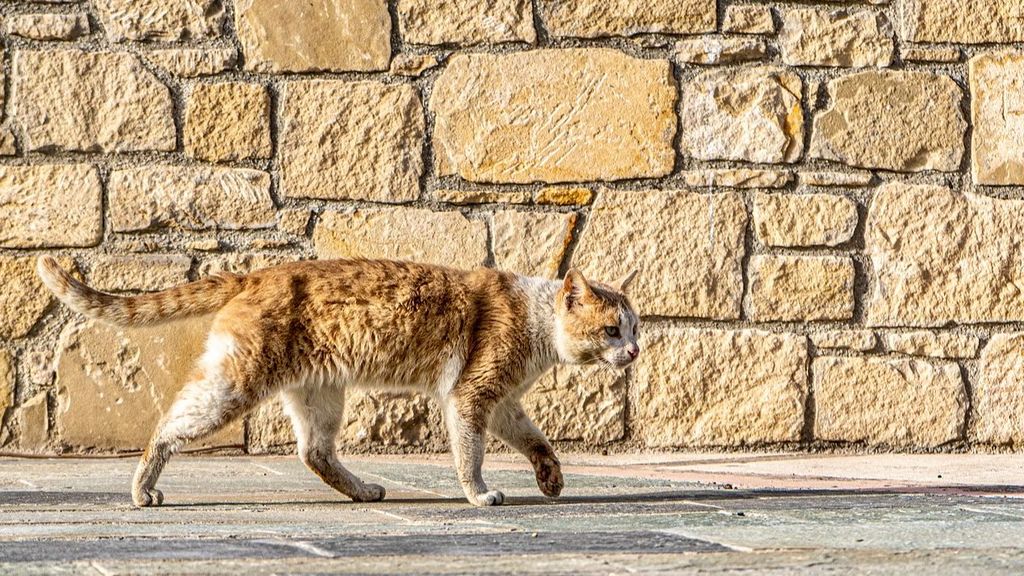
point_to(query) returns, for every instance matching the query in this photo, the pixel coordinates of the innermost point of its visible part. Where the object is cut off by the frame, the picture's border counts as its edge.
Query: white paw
(370, 493)
(144, 498)
(490, 498)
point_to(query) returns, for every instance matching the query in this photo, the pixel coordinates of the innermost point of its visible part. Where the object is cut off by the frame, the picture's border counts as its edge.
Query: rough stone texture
(698, 387)
(23, 298)
(554, 116)
(973, 22)
(227, 122)
(597, 18)
(748, 19)
(191, 198)
(466, 21)
(114, 384)
(856, 179)
(33, 423)
(903, 121)
(564, 196)
(824, 37)
(531, 243)
(858, 340)
(165, 20)
(89, 101)
(193, 62)
(750, 114)
(737, 178)
(582, 404)
(712, 50)
(47, 26)
(457, 196)
(351, 140)
(640, 229)
(801, 288)
(931, 54)
(998, 402)
(242, 263)
(935, 345)
(337, 35)
(447, 238)
(413, 65)
(140, 272)
(294, 220)
(6, 382)
(942, 257)
(50, 205)
(890, 402)
(372, 420)
(804, 219)
(997, 114)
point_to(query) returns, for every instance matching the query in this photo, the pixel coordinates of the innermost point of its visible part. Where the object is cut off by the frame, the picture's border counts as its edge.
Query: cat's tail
(191, 299)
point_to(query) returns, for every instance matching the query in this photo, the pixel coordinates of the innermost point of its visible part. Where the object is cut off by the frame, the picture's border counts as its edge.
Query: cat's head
(595, 322)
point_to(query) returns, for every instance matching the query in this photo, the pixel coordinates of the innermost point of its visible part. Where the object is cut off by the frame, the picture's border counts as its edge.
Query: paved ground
(708, 513)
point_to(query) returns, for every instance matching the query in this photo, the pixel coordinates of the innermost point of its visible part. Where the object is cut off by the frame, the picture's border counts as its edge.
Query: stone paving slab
(646, 513)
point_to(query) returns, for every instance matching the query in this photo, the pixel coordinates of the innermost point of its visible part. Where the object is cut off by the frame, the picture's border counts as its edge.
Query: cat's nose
(633, 350)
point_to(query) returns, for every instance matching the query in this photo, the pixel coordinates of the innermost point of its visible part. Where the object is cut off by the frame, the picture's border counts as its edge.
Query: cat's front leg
(513, 427)
(466, 428)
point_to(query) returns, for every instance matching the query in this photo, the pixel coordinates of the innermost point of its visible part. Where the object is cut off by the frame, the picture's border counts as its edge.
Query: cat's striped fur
(475, 340)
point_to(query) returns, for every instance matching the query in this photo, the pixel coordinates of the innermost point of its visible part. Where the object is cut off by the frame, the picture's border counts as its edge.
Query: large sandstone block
(804, 219)
(47, 26)
(146, 272)
(23, 298)
(165, 20)
(805, 288)
(749, 114)
(466, 21)
(963, 21)
(997, 113)
(193, 198)
(688, 248)
(227, 121)
(824, 37)
(748, 19)
(531, 243)
(891, 402)
(114, 384)
(335, 35)
(373, 419)
(351, 140)
(89, 101)
(902, 121)
(597, 18)
(418, 235)
(50, 205)
(998, 415)
(554, 116)
(582, 404)
(698, 387)
(943, 257)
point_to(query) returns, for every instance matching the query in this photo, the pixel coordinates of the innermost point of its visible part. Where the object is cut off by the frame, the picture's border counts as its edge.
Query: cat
(474, 340)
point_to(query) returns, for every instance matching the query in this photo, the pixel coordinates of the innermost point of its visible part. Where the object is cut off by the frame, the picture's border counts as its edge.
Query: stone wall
(825, 200)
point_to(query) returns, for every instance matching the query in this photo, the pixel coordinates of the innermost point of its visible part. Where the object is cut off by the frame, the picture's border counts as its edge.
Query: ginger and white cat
(475, 340)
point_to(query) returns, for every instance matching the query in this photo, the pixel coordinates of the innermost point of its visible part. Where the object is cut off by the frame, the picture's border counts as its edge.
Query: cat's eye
(612, 331)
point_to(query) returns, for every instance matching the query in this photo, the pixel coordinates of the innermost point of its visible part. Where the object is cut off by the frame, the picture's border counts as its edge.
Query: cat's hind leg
(316, 411)
(219, 392)
(512, 426)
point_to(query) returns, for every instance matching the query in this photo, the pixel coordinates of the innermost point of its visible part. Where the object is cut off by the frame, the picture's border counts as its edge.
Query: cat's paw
(370, 493)
(489, 498)
(144, 498)
(549, 475)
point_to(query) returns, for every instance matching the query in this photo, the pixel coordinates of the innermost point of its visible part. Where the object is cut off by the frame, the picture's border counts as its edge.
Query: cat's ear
(622, 284)
(575, 287)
